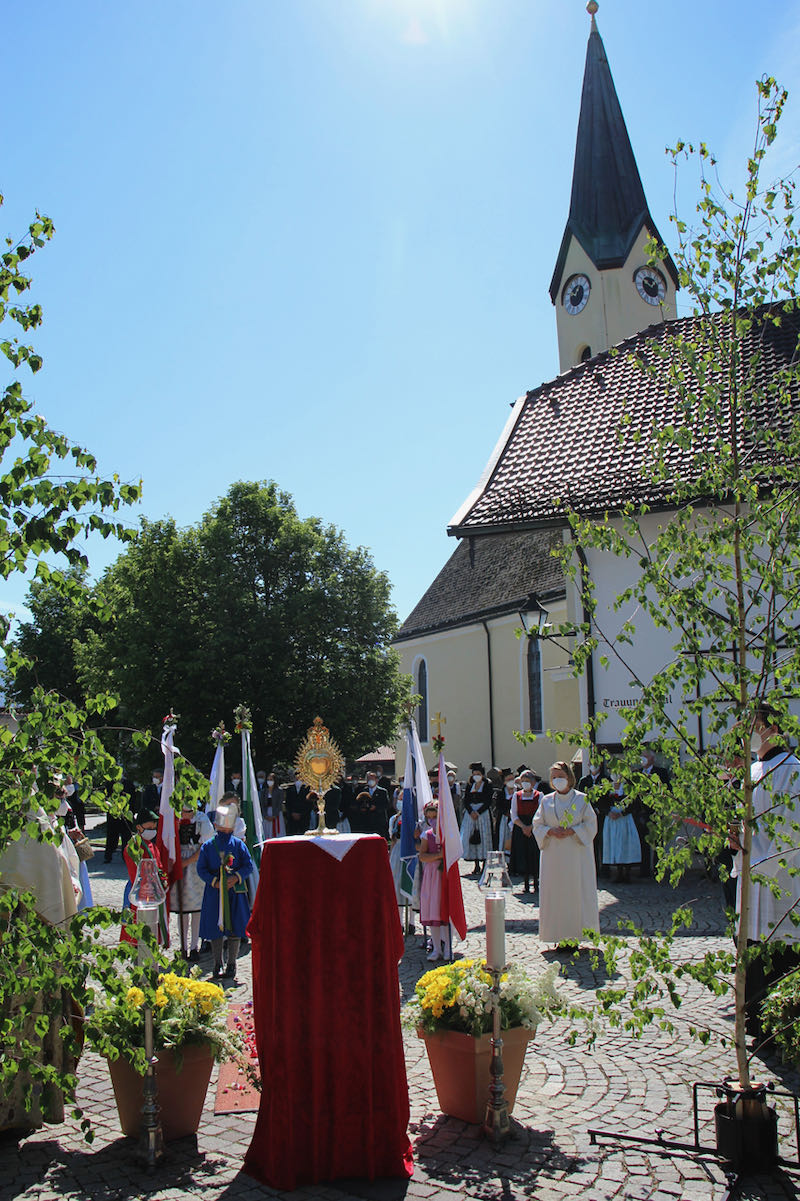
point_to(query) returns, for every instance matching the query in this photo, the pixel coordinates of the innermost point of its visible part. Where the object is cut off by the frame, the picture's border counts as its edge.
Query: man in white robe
(773, 919)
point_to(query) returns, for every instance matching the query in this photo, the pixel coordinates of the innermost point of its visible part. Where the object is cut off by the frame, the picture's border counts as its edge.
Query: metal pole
(151, 1138)
(496, 1124)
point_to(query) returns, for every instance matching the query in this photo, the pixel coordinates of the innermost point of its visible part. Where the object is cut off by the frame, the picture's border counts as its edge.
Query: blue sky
(311, 240)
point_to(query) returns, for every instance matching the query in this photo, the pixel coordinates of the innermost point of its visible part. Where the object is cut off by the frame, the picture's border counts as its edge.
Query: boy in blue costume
(224, 863)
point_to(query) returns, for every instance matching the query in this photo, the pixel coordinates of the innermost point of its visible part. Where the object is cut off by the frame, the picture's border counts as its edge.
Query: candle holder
(495, 883)
(147, 895)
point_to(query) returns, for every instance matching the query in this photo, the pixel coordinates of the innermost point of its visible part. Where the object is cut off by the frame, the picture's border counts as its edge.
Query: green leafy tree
(51, 499)
(719, 568)
(255, 604)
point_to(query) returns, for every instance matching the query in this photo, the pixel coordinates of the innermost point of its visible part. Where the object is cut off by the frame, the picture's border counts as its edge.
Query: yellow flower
(135, 997)
(161, 998)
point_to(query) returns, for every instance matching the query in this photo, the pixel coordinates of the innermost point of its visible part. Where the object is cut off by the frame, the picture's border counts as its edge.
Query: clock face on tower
(650, 284)
(575, 294)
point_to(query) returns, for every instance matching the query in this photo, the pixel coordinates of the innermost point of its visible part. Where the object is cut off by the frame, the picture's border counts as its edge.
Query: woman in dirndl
(476, 827)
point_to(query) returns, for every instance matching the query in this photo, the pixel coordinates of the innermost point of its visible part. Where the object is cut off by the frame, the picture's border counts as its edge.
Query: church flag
(408, 821)
(421, 781)
(251, 806)
(167, 819)
(449, 837)
(216, 781)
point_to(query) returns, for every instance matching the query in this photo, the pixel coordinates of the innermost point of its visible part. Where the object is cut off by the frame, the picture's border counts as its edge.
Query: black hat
(478, 767)
(146, 815)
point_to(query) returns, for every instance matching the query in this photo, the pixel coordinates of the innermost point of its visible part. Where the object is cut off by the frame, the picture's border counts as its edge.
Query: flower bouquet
(186, 1011)
(457, 996)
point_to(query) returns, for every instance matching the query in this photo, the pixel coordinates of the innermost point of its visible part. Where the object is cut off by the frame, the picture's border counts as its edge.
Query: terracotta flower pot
(460, 1067)
(181, 1094)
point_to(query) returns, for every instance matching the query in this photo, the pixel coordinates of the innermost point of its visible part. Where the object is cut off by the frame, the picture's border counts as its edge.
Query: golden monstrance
(319, 763)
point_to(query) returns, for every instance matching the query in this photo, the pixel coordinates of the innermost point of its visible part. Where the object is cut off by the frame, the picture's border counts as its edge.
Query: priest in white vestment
(565, 825)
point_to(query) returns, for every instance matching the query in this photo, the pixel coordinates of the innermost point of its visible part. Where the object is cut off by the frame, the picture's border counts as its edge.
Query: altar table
(326, 941)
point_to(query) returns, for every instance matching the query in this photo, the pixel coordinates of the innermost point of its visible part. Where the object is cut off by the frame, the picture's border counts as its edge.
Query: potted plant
(190, 1033)
(451, 1012)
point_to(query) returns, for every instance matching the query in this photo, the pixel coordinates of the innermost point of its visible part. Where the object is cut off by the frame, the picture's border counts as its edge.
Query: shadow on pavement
(457, 1155)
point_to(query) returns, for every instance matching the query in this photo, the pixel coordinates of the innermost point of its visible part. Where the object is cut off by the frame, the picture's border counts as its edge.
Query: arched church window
(585, 354)
(422, 708)
(535, 685)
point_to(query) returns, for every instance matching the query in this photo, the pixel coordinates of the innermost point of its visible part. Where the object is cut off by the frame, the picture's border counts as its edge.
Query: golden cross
(439, 721)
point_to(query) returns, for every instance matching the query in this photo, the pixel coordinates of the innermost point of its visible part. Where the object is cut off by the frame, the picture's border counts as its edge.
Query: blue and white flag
(408, 821)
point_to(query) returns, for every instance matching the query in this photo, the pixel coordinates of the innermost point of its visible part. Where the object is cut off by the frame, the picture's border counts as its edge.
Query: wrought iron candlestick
(147, 895)
(319, 763)
(495, 883)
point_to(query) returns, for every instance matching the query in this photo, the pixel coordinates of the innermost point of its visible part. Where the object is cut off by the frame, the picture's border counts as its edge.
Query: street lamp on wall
(533, 616)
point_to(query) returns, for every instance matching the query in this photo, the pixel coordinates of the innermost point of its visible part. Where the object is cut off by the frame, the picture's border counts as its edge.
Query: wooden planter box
(460, 1067)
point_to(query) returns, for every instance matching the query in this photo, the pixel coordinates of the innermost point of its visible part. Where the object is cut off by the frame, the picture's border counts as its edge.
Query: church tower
(603, 288)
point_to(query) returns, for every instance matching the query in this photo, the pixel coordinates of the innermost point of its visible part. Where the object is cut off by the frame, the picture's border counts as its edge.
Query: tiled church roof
(567, 443)
(487, 577)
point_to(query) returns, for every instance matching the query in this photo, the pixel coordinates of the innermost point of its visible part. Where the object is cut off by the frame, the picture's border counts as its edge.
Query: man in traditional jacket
(296, 805)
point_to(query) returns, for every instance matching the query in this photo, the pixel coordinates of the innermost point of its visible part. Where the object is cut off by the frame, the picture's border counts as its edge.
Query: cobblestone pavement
(619, 1083)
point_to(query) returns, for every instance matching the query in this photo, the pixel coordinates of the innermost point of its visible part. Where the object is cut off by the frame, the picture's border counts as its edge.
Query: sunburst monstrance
(319, 763)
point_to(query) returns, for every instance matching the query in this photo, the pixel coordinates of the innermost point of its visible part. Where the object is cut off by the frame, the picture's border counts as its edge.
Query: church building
(461, 643)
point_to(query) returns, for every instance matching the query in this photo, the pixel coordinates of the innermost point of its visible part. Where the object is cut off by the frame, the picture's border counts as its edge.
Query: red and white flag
(449, 837)
(167, 820)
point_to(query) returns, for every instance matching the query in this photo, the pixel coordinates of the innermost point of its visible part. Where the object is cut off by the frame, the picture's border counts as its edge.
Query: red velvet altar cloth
(326, 941)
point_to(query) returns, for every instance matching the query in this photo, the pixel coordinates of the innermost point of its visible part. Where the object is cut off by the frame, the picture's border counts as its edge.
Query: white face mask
(560, 784)
(149, 835)
(593, 769)
(755, 742)
(271, 782)
(156, 780)
(69, 789)
(645, 762)
(527, 786)
(236, 781)
(477, 777)
(261, 779)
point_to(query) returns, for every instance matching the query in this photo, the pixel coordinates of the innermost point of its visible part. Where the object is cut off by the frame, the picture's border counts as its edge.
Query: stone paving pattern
(620, 1083)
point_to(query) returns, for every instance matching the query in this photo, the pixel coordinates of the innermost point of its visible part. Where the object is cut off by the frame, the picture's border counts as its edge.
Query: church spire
(608, 213)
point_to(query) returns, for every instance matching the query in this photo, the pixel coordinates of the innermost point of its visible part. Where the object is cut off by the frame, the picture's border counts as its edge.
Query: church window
(535, 685)
(422, 707)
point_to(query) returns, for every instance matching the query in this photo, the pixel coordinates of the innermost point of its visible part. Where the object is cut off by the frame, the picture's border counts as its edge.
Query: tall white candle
(496, 932)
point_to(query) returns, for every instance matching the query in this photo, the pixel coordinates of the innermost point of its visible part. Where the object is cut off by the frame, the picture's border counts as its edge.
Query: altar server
(564, 826)
(224, 863)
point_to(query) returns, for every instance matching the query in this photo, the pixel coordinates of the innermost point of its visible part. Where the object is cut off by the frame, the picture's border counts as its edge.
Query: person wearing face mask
(621, 846)
(146, 845)
(564, 826)
(224, 863)
(501, 809)
(525, 853)
(597, 787)
(476, 825)
(774, 867)
(295, 805)
(641, 810)
(270, 798)
(429, 850)
(377, 807)
(186, 894)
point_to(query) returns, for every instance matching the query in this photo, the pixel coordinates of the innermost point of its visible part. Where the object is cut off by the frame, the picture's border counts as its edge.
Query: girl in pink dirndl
(430, 897)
